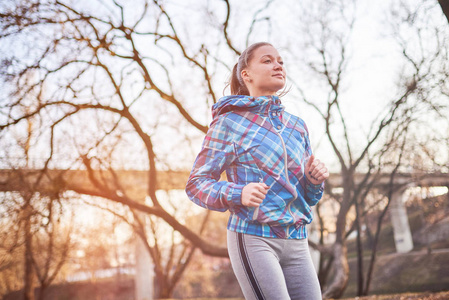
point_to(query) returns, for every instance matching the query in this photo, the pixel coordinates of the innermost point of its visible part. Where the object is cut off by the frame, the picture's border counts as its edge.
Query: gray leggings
(269, 268)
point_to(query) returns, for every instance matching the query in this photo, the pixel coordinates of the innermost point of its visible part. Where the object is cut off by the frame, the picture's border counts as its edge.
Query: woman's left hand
(316, 171)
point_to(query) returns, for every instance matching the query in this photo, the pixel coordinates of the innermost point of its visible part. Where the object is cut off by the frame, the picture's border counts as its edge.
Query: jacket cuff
(315, 188)
(235, 195)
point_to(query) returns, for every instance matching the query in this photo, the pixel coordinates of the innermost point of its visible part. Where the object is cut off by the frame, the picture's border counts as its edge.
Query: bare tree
(96, 45)
(328, 38)
(362, 209)
(54, 246)
(45, 241)
(39, 235)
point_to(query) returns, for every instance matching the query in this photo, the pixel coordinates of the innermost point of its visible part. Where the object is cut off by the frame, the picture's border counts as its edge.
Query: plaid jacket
(255, 140)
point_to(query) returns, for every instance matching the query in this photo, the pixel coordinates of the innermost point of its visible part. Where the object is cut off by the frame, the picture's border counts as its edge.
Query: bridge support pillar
(144, 278)
(399, 220)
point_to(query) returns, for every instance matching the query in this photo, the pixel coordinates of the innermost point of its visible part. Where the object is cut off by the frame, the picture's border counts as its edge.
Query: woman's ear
(245, 76)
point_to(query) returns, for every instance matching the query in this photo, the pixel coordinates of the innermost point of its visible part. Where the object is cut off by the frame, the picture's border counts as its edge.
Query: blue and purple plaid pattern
(254, 140)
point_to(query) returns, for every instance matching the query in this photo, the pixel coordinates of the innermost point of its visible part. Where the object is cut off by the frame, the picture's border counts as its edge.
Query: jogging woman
(273, 180)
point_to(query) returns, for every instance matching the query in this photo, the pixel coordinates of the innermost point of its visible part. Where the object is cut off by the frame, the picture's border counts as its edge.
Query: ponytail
(237, 84)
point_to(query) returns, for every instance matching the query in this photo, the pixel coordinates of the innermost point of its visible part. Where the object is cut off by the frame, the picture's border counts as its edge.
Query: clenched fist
(316, 171)
(253, 193)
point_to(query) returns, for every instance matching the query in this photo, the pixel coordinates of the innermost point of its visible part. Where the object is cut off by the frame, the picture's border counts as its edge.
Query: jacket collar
(262, 104)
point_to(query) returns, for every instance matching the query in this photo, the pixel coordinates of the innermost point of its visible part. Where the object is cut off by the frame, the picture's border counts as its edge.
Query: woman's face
(265, 74)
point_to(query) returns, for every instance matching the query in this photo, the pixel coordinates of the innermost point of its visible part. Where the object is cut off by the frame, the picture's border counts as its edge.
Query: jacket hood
(243, 102)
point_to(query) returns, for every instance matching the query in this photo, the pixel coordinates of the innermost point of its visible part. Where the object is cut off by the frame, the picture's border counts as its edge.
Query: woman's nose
(278, 66)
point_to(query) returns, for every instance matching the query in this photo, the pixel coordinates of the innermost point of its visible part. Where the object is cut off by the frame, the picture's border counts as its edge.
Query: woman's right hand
(254, 193)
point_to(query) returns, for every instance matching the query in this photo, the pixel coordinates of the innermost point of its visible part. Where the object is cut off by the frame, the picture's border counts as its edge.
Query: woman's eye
(281, 63)
(267, 61)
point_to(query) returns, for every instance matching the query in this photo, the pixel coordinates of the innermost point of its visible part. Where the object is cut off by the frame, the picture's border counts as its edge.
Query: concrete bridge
(136, 182)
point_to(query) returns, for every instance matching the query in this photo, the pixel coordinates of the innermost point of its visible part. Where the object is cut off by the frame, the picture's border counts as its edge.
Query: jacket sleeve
(217, 154)
(313, 192)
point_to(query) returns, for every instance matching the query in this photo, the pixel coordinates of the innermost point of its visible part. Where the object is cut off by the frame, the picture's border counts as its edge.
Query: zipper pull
(256, 210)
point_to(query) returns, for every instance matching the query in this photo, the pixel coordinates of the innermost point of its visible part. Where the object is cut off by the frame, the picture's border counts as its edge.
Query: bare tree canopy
(108, 86)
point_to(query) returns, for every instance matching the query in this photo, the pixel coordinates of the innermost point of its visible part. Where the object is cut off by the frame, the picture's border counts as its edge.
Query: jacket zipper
(285, 160)
(288, 181)
(256, 210)
(286, 174)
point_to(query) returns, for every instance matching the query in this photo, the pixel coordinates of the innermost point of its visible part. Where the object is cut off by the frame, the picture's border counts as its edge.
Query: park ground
(406, 296)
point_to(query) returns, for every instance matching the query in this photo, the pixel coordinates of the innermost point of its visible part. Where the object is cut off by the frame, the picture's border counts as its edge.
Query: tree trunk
(340, 280)
(445, 7)
(28, 276)
(340, 259)
(42, 291)
(360, 279)
(164, 292)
